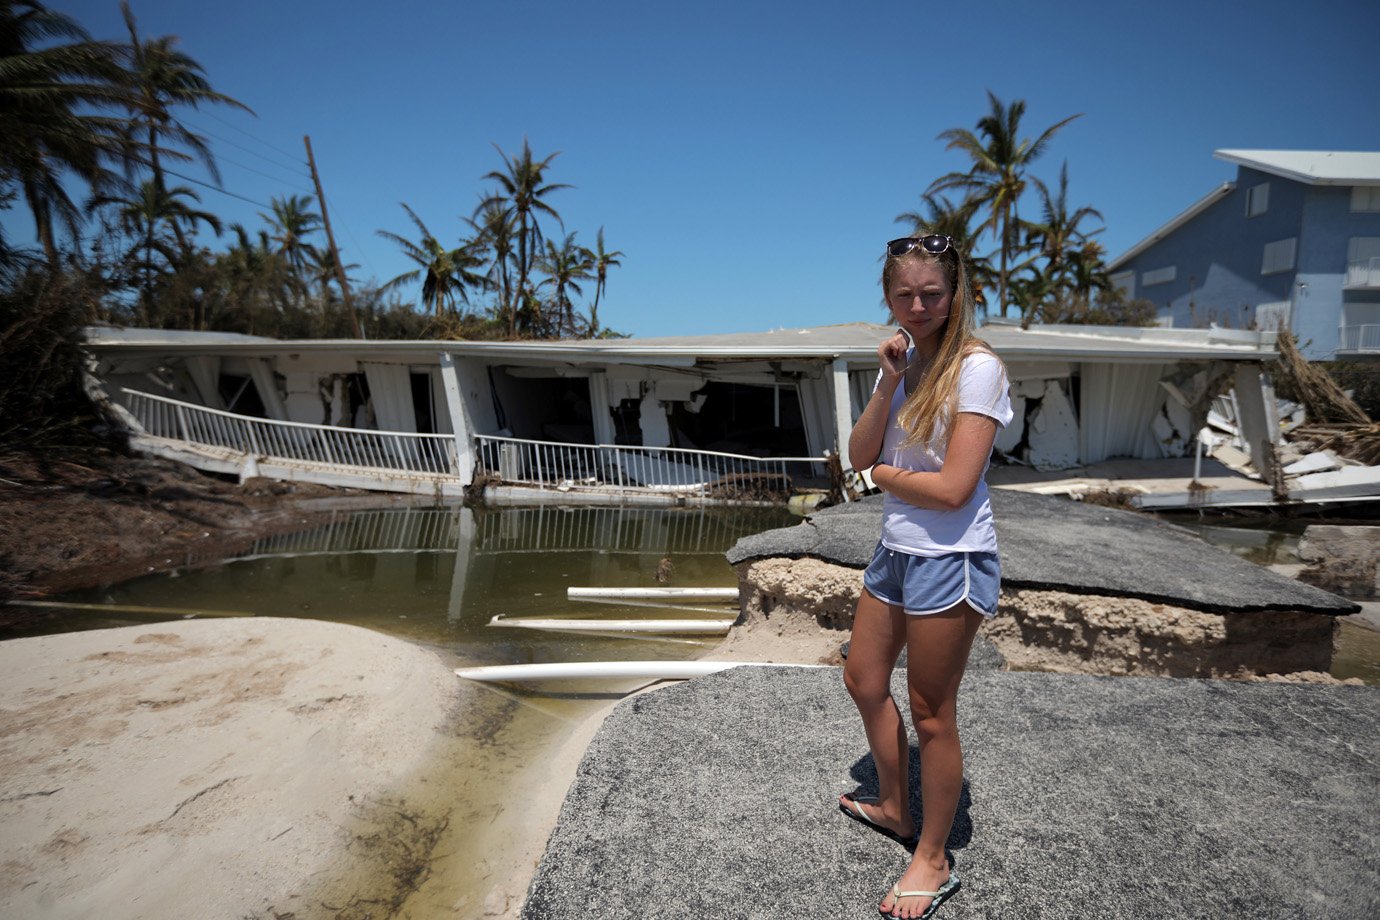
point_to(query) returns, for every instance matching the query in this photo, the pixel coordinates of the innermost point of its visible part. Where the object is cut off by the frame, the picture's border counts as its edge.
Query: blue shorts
(923, 585)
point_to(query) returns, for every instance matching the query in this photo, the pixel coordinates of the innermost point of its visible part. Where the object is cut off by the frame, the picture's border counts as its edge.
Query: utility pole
(330, 238)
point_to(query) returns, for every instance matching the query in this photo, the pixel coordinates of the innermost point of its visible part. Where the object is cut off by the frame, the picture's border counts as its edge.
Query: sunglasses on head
(935, 244)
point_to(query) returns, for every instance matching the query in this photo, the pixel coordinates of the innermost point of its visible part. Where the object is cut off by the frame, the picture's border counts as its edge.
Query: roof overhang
(1311, 167)
(855, 343)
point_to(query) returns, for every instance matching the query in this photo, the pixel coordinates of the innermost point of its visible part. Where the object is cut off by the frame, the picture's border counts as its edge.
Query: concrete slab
(1085, 797)
(1168, 476)
(1053, 543)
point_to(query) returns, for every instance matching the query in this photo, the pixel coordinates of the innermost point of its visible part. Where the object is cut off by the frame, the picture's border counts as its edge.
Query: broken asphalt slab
(1052, 543)
(1084, 797)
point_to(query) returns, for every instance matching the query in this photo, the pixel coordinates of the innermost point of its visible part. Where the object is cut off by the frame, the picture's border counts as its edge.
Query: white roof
(1311, 167)
(854, 342)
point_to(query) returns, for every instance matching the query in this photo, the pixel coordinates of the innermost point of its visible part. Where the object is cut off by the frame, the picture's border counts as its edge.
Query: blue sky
(748, 158)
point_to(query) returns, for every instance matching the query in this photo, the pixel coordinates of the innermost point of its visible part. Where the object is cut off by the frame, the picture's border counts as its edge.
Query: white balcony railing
(429, 455)
(549, 464)
(1360, 338)
(393, 456)
(1363, 273)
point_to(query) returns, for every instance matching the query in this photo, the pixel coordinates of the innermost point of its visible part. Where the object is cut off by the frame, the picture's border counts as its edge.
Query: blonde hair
(931, 406)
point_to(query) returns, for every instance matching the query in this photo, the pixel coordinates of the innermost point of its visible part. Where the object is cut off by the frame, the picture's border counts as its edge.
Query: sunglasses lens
(934, 244)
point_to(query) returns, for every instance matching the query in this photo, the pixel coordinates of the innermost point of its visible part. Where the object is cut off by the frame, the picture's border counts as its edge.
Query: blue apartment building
(1292, 241)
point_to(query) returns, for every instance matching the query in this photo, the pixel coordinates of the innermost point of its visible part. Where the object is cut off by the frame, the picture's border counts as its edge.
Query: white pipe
(685, 627)
(698, 594)
(642, 670)
(655, 605)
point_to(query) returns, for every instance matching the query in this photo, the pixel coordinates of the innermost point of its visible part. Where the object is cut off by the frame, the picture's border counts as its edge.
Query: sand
(262, 767)
(219, 768)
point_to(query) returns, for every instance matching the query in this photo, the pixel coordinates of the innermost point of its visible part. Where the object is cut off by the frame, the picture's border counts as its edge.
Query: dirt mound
(100, 517)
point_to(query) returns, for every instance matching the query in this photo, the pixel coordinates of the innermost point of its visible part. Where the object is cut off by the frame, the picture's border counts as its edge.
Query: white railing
(297, 442)
(544, 464)
(648, 469)
(1363, 273)
(1360, 338)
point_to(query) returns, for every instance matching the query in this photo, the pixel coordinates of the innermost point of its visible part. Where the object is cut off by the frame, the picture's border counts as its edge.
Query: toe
(888, 904)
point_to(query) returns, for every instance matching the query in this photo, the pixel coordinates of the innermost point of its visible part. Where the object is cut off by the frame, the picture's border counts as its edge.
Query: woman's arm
(865, 442)
(970, 445)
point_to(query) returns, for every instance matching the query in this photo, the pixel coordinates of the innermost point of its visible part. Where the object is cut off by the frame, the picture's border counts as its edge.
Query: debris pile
(1324, 447)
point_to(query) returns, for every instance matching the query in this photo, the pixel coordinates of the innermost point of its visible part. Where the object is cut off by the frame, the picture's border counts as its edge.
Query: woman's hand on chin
(892, 353)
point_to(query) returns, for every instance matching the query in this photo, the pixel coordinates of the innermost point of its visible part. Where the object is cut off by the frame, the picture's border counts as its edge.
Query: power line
(261, 173)
(350, 233)
(214, 188)
(234, 127)
(294, 167)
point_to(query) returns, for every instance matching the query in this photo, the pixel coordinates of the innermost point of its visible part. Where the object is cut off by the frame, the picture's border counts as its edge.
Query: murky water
(437, 577)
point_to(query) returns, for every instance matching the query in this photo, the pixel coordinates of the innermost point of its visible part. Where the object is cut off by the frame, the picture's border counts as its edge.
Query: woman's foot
(897, 824)
(923, 874)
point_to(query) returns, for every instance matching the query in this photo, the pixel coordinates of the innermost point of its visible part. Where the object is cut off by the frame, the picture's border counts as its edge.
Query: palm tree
(603, 261)
(1088, 270)
(944, 217)
(52, 121)
(522, 192)
(996, 179)
(321, 264)
(289, 225)
(141, 216)
(445, 273)
(321, 268)
(495, 229)
(1032, 289)
(159, 78)
(1057, 236)
(257, 280)
(566, 266)
(1058, 232)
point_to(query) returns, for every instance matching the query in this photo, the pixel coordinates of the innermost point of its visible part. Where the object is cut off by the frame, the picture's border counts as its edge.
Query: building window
(1279, 256)
(1125, 282)
(1363, 262)
(1365, 198)
(1257, 199)
(1158, 276)
(1272, 317)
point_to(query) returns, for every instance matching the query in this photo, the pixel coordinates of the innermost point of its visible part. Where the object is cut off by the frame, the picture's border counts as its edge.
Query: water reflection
(438, 575)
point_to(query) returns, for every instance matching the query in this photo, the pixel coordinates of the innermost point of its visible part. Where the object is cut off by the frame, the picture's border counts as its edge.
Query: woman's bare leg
(879, 631)
(937, 647)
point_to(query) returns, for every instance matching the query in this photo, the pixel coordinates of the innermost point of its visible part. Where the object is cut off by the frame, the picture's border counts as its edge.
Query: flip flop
(946, 891)
(857, 814)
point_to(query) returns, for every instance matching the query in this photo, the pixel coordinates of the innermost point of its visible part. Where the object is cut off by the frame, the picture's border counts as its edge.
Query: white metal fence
(543, 464)
(326, 445)
(1360, 338)
(651, 469)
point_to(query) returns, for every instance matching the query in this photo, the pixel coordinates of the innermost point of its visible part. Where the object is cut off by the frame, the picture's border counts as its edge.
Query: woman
(927, 435)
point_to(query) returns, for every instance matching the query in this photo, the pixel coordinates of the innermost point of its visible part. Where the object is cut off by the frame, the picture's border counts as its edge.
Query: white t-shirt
(982, 388)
